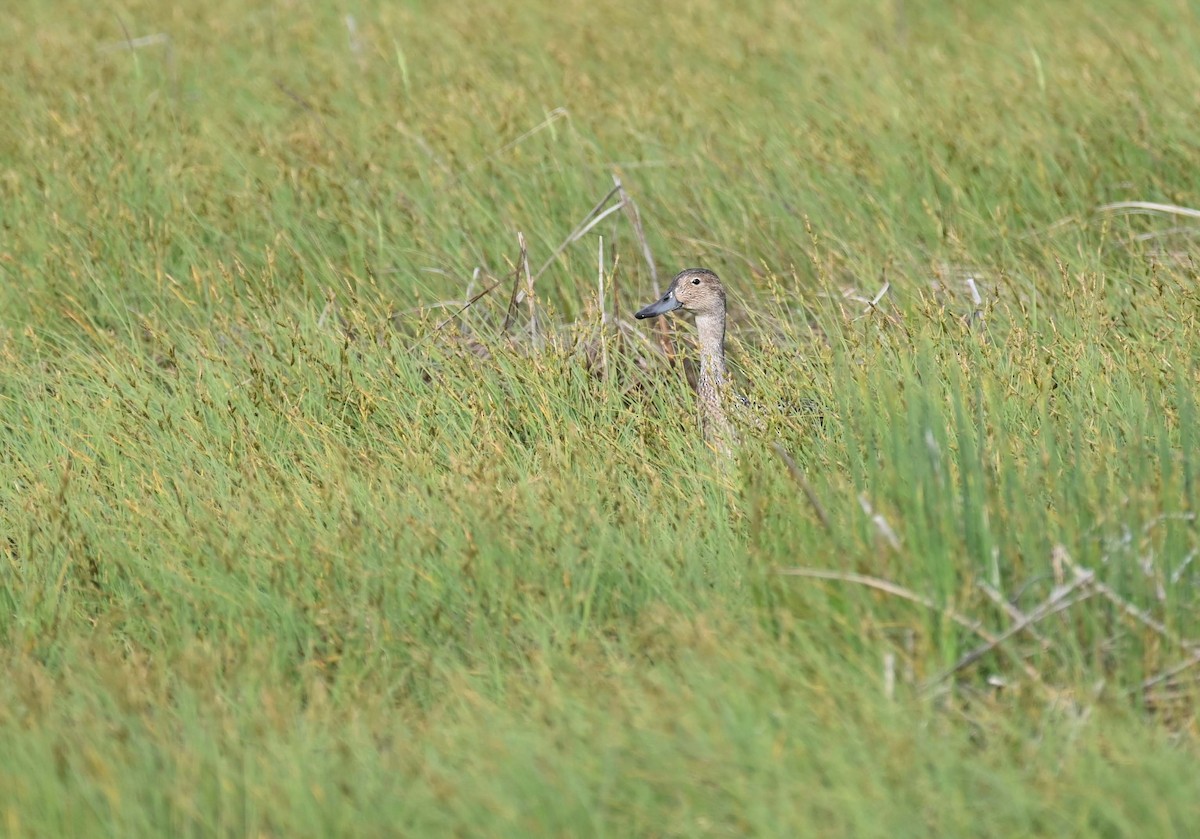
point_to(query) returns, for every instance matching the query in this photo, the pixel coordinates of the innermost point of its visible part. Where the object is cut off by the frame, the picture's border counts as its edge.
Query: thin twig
(1058, 600)
(635, 218)
(881, 524)
(533, 331)
(581, 229)
(158, 38)
(516, 278)
(552, 117)
(1171, 672)
(802, 481)
(603, 310)
(1148, 207)
(136, 43)
(1165, 517)
(875, 300)
(469, 304)
(1009, 609)
(976, 316)
(353, 39)
(891, 588)
(888, 587)
(974, 290)
(615, 285)
(329, 304)
(872, 305)
(1124, 605)
(889, 675)
(307, 107)
(424, 146)
(705, 243)
(600, 280)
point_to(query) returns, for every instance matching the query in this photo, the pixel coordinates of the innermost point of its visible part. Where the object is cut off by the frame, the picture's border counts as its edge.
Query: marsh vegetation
(340, 493)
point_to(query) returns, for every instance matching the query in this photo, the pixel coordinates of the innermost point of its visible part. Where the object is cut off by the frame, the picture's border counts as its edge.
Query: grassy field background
(294, 542)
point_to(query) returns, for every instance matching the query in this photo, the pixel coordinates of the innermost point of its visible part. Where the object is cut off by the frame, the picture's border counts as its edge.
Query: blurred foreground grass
(291, 543)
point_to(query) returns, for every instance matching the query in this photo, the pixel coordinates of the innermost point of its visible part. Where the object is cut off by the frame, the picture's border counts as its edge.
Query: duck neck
(712, 383)
(711, 329)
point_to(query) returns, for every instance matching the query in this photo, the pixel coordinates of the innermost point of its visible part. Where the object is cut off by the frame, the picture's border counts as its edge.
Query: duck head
(695, 290)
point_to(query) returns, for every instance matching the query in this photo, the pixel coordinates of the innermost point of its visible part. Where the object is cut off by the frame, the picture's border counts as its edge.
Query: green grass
(293, 545)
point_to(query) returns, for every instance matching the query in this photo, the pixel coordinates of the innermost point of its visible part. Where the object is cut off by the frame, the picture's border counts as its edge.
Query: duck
(699, 290)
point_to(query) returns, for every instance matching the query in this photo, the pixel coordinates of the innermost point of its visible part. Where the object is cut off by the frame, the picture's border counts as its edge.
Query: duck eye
(696, 281)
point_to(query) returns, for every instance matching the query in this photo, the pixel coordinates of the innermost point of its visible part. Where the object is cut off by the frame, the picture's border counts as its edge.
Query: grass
(295, 543)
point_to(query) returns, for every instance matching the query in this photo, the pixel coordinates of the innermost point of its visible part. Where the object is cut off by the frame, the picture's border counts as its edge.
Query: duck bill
(668, 303)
